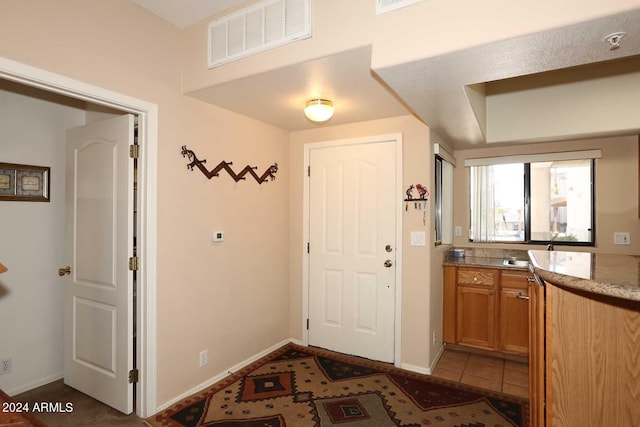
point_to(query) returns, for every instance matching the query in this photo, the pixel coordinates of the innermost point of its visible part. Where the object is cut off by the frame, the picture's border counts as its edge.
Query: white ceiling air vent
(384, 6)
(259, 27)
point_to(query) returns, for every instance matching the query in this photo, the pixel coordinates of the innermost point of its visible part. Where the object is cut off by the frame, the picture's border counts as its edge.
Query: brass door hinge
(133, 376)
(134, 263)
(134, 151)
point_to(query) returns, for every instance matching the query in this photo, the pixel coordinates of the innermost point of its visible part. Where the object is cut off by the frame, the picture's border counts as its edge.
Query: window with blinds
(533, 199)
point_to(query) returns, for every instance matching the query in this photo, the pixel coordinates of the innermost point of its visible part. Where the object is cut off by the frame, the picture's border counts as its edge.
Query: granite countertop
(486, 257)
(604, 274)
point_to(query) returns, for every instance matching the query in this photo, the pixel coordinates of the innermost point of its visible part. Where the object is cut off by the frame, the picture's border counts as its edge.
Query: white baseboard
(437, 358)
(422, 369)
(226, 373)
(415, 368)
(297, 342)
(35, 384)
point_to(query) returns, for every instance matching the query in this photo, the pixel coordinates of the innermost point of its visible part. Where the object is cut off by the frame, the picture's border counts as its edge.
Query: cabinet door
(476, 317)
(514, 321)
(449, 309)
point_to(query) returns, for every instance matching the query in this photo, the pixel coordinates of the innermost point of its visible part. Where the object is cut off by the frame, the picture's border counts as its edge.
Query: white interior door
(352, 226)
(99, 292)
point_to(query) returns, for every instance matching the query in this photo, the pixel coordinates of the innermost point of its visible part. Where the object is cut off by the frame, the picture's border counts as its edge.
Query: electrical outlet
(204, 357)
(5, 365)
(435, 337)
(621, 238)
(458, 231)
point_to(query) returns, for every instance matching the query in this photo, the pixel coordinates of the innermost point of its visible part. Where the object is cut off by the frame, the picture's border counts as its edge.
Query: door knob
(388, 248)
(388, 263)
(64, 271)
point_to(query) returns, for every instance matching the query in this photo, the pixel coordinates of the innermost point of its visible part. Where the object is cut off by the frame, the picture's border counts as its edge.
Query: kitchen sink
(512, 262)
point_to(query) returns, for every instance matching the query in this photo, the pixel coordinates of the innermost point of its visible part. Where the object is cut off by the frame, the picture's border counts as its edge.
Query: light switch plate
(418, 238)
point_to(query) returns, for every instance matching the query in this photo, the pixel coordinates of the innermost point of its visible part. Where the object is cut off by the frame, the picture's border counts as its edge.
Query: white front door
(352, 237)
(99, 292)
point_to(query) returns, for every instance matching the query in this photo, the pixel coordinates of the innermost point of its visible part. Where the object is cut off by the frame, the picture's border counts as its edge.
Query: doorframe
(397, 139)
(146, 361)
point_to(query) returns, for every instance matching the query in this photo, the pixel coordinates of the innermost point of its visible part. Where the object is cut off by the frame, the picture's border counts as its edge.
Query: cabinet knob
(475, 279)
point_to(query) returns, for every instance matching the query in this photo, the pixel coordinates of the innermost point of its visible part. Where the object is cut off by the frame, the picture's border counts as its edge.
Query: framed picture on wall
(24, 183)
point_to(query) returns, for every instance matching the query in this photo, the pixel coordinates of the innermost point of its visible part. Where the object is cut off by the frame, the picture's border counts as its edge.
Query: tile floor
(486, 372)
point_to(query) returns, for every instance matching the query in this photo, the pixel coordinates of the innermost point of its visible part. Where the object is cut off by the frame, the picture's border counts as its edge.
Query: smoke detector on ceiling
(614, 39)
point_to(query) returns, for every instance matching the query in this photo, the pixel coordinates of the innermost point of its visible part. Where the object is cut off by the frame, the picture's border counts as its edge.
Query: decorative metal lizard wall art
(270, 173)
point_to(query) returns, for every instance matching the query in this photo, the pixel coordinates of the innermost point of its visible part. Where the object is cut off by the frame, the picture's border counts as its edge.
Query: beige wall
(337, 26)
(600, 99)
(228, 298)
(417, 168)
(433, 28)
(428, 29)
(616, 197)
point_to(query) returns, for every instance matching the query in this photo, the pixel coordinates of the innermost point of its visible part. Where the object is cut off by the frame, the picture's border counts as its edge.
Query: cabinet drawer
(477, 276)
(514, 280)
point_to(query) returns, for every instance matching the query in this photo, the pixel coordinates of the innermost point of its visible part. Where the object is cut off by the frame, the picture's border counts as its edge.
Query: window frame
(527, 212)
(437, 201)
(443, 200)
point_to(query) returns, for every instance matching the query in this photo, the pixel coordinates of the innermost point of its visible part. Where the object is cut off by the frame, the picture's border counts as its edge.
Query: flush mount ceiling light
(318, 110)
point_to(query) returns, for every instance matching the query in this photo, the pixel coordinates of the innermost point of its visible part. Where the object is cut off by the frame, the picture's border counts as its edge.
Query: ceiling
(183, 13)
(278, 96)
(446, 92)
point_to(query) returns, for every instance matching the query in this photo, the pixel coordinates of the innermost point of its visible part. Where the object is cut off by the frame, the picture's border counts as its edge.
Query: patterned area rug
(306, 386)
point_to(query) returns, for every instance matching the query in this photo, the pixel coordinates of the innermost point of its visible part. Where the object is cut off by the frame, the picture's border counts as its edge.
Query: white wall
(32, 131)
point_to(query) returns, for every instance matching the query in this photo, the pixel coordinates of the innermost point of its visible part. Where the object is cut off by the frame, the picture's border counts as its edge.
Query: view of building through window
(560, 195)
(561, 201)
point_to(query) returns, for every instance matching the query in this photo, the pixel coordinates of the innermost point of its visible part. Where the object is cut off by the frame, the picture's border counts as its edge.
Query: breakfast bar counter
(585, 318)
(611, 275)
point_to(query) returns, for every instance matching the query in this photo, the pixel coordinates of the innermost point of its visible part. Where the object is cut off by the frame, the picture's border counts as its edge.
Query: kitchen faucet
(550, 245)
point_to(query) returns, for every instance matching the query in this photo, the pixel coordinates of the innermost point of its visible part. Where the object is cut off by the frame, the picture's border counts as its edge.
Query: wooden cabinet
(514, 312)
(486, 308)
(476, 317)
(584, 367)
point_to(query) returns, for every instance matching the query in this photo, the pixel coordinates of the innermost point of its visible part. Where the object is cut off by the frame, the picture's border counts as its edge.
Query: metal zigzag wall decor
(270, 173)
